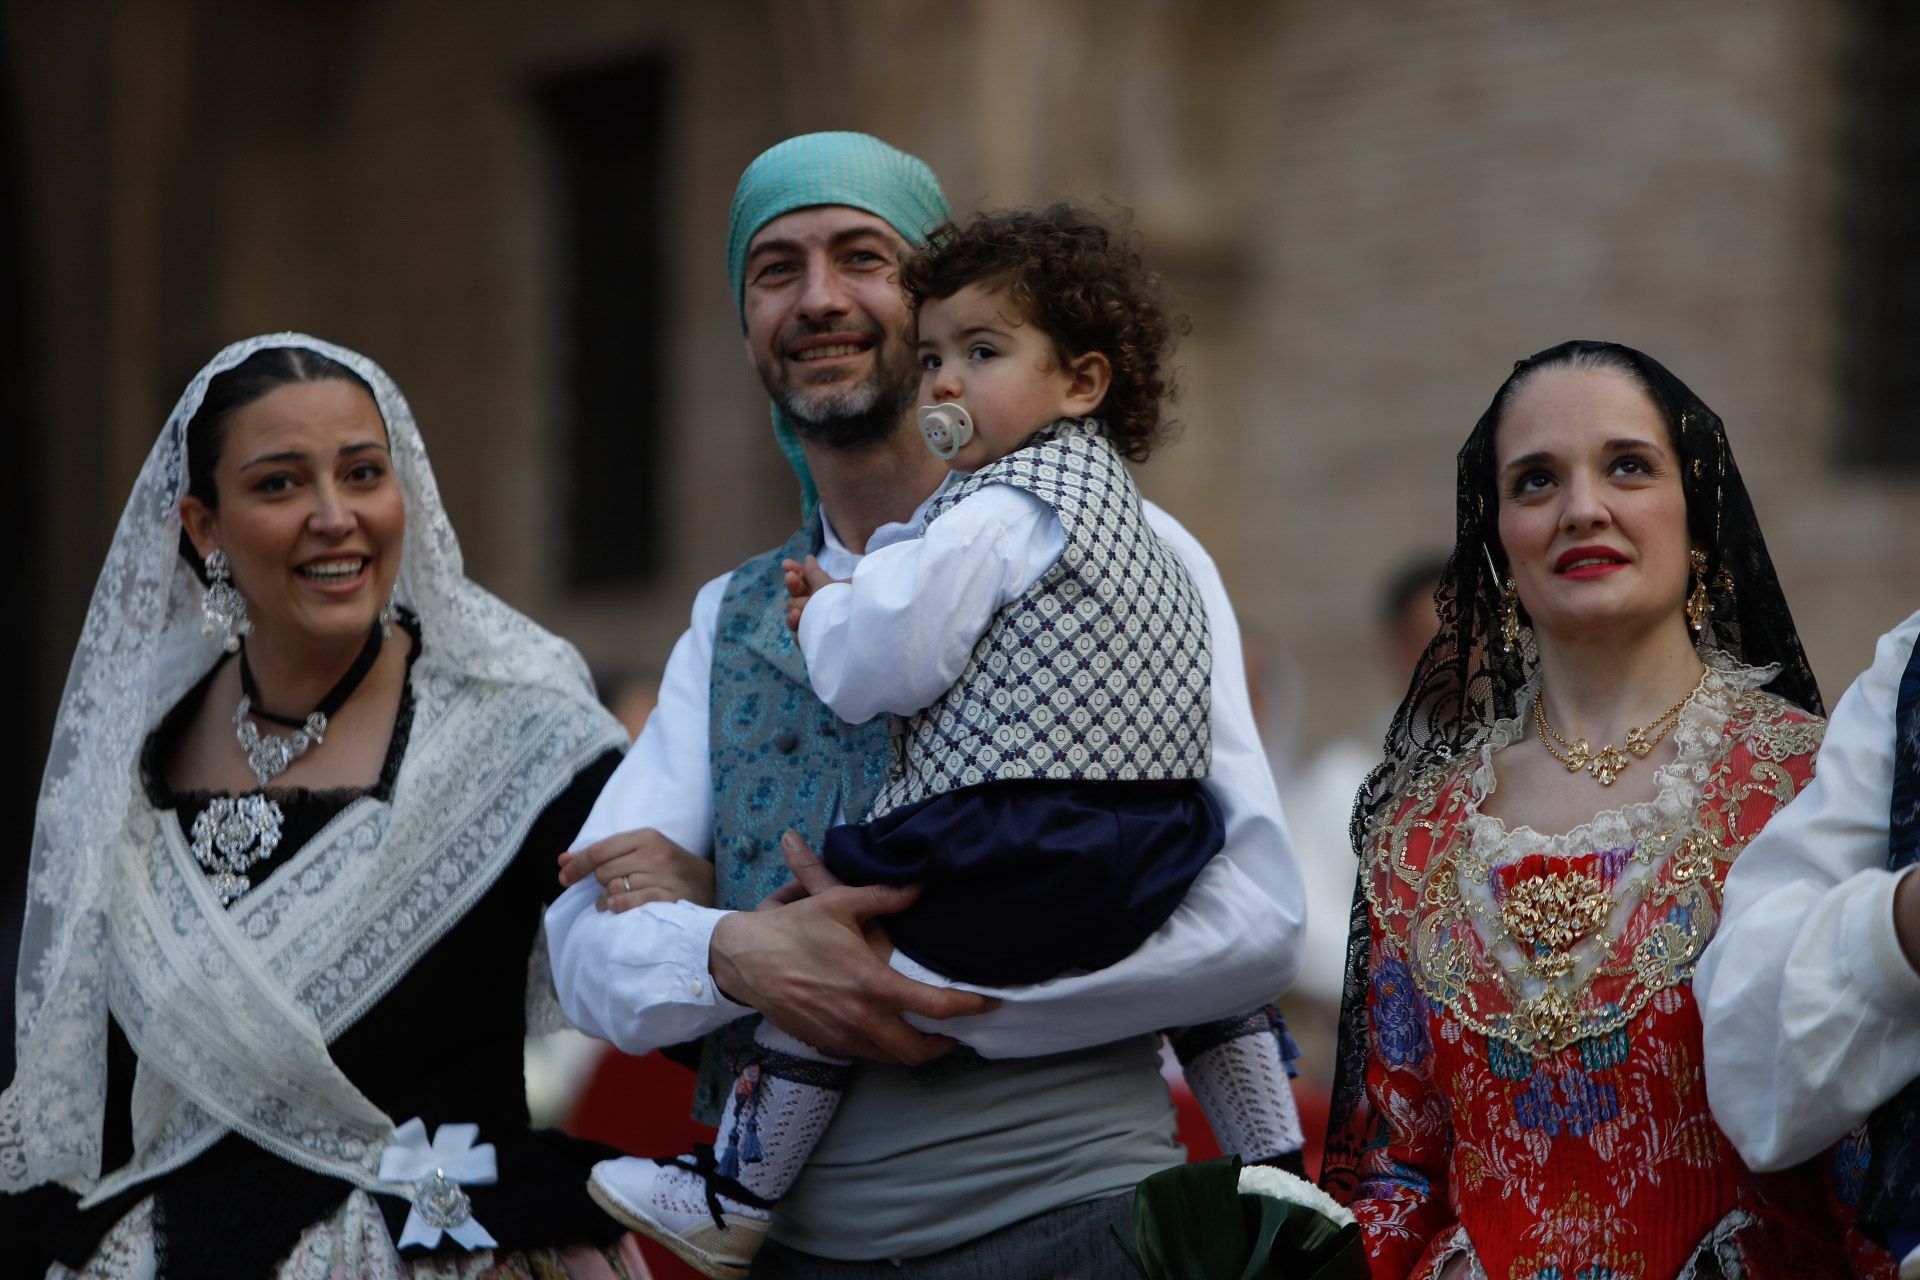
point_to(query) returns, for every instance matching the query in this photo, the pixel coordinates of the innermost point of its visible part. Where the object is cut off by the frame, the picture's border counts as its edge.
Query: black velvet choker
(269, 754)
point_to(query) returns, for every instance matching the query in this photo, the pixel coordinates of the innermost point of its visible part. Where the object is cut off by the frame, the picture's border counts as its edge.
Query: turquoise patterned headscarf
(853, 169)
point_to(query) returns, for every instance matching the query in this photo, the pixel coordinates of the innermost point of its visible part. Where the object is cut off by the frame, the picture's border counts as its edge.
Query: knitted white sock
(780, 1106)
(1242, 1086)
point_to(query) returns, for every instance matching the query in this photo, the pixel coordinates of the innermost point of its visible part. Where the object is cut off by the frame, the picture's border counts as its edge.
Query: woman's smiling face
(1593, 518)
(309, 512)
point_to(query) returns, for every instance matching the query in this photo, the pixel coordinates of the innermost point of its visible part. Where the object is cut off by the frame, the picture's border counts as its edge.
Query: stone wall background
(1369, 211)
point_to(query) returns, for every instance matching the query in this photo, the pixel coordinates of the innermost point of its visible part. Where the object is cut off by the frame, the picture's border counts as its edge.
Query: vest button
(784, 741)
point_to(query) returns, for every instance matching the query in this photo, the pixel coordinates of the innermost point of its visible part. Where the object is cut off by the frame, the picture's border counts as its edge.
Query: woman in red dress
(1615, 703)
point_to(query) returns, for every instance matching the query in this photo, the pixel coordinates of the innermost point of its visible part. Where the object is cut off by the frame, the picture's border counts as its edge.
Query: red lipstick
(1593, 561)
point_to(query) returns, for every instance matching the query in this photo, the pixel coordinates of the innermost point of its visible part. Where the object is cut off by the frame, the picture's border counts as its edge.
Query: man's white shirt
(640, 978)
(1811, 1009)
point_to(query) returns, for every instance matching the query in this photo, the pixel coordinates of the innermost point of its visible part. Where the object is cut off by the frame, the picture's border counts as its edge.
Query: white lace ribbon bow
(433, 1173)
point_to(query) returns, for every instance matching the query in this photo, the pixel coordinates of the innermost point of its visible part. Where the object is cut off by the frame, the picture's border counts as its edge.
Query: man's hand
(802, 581)
(635, 867)
(811, 960)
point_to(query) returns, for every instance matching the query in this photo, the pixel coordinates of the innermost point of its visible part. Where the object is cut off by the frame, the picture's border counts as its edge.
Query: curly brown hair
(1085, 285)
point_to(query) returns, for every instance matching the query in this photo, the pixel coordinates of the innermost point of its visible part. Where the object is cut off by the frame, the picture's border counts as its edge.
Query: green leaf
(1189, 1223)
(1273, 1218)
(1346, 1258)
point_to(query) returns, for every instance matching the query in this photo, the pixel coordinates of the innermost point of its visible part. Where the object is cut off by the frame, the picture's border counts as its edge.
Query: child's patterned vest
(1099, 672)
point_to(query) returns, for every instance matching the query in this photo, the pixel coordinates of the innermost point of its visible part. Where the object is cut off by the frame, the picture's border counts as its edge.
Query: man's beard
(843, 415)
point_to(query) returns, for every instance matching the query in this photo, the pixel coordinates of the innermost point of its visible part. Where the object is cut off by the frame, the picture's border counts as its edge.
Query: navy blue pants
(1025, 880)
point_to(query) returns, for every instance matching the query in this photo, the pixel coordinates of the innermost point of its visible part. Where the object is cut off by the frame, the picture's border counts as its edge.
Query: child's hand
(802, 581)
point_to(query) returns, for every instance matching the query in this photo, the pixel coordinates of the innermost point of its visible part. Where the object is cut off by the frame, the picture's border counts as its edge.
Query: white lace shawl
(231, 1011)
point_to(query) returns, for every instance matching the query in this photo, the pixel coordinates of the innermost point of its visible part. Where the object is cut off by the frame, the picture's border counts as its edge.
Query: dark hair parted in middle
(266, 370)
(1082, 283)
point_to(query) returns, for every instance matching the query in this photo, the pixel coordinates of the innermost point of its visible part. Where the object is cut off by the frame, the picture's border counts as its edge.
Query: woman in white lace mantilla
(1616, 701)
(289, 857)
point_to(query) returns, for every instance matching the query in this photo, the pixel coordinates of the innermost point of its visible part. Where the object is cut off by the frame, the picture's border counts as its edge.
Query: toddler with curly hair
(1046, 660)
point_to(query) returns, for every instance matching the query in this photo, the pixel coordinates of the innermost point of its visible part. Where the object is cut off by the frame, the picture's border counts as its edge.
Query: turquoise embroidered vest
(781, 761)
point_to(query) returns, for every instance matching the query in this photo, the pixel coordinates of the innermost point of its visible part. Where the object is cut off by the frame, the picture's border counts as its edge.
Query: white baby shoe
(691, 1211)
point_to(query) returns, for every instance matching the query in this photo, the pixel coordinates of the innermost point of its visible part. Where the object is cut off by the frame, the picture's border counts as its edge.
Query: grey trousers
(1074, 1243)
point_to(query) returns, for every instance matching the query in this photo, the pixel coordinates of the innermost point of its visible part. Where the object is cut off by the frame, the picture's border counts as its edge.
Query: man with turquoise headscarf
(845, 171)
(995, 1162)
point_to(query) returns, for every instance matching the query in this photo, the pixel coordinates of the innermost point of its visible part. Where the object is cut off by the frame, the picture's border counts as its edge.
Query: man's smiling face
(827, 324)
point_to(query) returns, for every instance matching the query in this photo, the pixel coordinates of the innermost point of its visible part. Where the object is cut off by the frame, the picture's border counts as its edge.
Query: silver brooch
(230, 836)
(441, 1201)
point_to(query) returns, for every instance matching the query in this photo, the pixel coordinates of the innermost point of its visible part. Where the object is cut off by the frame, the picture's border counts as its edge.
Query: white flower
(1278, 1184)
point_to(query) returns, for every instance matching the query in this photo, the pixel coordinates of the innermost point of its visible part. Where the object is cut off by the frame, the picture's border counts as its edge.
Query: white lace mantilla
(231, 1011)
(323, 938)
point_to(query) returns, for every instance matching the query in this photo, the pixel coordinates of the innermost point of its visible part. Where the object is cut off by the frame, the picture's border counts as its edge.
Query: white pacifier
(946, 427)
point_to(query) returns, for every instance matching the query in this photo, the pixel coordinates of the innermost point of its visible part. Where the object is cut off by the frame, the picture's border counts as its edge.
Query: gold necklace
(1608, 762)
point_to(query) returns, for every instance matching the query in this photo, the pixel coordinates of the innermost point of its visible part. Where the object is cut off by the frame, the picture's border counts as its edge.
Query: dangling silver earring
(388, 612)
(222, 608)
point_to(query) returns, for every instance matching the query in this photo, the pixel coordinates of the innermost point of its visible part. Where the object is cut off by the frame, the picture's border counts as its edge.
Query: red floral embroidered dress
(1534, 1072)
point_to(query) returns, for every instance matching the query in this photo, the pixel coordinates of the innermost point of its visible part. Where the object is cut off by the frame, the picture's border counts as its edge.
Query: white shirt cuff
(1898, 979)
(683, 955)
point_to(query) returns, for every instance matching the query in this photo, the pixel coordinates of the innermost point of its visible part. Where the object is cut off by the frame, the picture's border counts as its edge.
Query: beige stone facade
(1369, 210)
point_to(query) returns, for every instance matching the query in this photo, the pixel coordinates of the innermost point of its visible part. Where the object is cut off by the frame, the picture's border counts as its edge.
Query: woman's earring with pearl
(223, 609)
(1699, 606)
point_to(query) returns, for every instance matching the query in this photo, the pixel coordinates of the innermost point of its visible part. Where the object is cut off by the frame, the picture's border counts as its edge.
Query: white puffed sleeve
(1811, 1008)
(895, 636)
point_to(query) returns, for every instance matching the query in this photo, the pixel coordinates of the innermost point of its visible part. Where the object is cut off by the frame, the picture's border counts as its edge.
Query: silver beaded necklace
(235, 833)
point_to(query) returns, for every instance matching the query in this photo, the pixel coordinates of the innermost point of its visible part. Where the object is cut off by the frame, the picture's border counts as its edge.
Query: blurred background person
(1318, 800)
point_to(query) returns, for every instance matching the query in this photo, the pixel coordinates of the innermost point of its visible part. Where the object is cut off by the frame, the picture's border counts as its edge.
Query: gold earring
(1509, 615)
(1699, 606)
